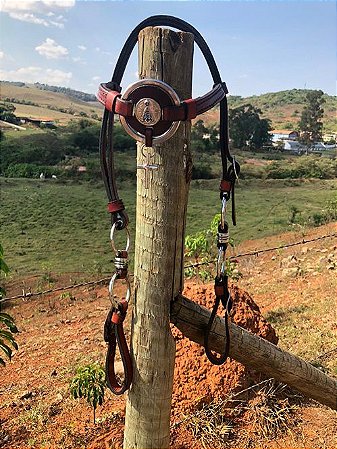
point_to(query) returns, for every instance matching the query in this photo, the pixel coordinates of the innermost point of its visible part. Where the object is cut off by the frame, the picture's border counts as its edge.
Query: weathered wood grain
(160, 224)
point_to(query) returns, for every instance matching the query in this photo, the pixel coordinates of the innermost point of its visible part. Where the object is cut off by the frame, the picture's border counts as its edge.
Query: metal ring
(175, 100)
(149, 148)
(223, 212)
(111, 287)
(221, 255)
(234, 168)
(228, 302)
(112, 232)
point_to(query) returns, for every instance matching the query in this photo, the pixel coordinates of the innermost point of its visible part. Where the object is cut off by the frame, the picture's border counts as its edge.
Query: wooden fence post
(255, 352)
(160, 225)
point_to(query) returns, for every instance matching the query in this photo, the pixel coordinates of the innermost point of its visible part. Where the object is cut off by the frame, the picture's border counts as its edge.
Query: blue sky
(260, 46)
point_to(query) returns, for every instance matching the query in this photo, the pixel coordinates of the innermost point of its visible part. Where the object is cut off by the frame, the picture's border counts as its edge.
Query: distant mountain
(41, 101)
(69, 92)
(283, 108)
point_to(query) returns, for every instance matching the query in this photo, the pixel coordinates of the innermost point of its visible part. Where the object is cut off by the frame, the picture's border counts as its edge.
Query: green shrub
(7, 324)
(202, 170)
(303, 167)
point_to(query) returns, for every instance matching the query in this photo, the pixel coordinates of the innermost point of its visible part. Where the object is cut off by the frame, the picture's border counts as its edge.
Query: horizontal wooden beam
(255, 352)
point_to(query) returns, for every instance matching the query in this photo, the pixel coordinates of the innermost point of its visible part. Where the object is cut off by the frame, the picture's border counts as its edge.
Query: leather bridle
(150, 111)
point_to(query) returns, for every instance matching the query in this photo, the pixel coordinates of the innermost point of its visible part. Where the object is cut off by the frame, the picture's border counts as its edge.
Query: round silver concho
(147, 111)
(150, 97)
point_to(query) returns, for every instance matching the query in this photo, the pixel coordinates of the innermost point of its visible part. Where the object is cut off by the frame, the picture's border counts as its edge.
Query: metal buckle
(149, 97)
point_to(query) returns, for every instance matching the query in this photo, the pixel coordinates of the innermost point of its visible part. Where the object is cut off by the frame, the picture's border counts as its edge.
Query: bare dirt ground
(294, 288)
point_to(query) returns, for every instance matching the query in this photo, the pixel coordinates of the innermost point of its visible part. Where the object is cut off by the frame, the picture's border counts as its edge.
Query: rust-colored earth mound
(196, 380)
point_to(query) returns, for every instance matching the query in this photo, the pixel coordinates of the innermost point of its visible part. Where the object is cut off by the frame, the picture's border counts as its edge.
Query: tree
(247, 129)
(204, 139)
(310, 125)
(7, 113)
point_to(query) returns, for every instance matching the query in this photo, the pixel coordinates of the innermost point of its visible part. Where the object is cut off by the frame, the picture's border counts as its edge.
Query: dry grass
(271, 412)
(268, 412)
(210, 425)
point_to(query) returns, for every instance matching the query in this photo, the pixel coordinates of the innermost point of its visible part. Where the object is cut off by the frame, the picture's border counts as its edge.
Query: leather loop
(114, 335)
(221, 294)
(110, 100)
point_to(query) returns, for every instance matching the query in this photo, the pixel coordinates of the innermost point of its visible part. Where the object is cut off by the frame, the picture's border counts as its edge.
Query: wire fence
(27, 295)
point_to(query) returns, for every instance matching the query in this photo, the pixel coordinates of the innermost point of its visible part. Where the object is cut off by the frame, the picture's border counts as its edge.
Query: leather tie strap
(149, 116)
(114, 335)
(187, 110)
(221, 295)
(109, 95)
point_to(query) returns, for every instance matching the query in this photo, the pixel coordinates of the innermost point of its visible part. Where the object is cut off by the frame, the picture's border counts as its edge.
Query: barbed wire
(265, 250)
(26, 295)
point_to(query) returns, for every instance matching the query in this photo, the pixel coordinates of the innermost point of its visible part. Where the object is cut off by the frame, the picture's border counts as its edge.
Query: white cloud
(96, 78)
(42, 6)
(38, 12)
(81, 47)
(57, 24)
(51, 50)
(37, 74)
(2, 54)
(28, 17)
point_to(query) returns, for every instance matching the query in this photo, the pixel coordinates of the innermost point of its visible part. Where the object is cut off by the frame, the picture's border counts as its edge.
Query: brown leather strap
(221, 295)
(114, 335)
(112, 101)
(187, 110)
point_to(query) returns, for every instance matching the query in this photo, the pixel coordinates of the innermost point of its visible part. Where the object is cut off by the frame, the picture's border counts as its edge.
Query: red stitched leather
(115, 206)
(187, 110)
(191, 109)
(124, 108)
(225, 186)
(110, 100)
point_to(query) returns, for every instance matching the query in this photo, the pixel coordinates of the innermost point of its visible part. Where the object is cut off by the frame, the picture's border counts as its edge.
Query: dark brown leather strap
(114, 335)
(187, 110)
(221, 295)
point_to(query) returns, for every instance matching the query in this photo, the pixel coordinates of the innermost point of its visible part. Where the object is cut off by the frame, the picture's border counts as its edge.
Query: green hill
(62, 105)
(284, 108)
(40, 101)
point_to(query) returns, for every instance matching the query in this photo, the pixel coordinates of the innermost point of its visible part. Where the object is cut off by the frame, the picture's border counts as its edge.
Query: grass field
(64, 227)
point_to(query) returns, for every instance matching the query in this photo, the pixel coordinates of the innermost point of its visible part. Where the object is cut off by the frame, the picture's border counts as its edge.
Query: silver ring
(111, 287)
(112, 232)
(223, 212)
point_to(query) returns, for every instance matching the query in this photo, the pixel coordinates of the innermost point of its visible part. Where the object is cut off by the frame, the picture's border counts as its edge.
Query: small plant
(47, 280)
(89, 383)
(67, 295)
(7, 325)
(295, 215)
(201, 248)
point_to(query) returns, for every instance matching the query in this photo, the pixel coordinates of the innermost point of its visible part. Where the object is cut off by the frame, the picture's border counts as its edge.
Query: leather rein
(150, 111)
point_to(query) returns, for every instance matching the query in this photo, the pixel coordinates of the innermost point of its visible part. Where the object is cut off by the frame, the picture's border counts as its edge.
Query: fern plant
(7, 325)
(89, 383)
